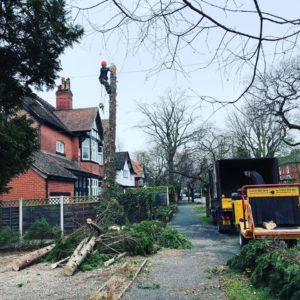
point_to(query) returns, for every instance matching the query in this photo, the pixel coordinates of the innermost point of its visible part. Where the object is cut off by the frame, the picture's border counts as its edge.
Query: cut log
(269, 225)
(59, 263)
(94, 225)
(30, 258)
(79, 255)
(112, 260)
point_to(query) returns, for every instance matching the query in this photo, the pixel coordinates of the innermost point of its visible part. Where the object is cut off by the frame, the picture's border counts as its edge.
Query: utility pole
(110, 138)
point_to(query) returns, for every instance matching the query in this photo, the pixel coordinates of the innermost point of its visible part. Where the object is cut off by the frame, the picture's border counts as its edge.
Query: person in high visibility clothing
(103, 78)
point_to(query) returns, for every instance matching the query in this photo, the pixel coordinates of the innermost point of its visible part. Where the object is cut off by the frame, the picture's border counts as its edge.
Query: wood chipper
(267, 211)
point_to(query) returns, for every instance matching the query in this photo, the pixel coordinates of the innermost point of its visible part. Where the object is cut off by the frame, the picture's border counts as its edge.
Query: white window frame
(125, 173)
(60, 147)
(86, 145)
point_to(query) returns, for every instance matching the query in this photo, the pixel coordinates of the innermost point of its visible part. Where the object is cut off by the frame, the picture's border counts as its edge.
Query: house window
(86, 149)
(94, 151)
(60, 147)
(125, 173)
(93, 187)
(100, 155)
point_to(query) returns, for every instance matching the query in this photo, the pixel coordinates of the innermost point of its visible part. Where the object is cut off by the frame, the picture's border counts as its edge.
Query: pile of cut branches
(271, 264)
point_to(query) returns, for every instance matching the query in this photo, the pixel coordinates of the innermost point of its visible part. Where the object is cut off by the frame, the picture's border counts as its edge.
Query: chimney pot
(64, 96)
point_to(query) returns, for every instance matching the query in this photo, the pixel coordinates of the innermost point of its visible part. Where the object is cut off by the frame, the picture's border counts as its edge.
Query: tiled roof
(50, 167)
(43, 111)
(138, 168)
(121, 157)
(52, 164)
(69, 164)
(81, 119)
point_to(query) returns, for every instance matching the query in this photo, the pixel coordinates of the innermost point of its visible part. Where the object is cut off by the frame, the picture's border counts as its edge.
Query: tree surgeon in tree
(103, 78)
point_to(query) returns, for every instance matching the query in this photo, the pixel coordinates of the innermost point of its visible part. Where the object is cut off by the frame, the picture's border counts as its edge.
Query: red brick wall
(29, 185)
(94, 168)
(75, 149)
(290, 170)
(60, 186)
(64, 100)
(49, 137)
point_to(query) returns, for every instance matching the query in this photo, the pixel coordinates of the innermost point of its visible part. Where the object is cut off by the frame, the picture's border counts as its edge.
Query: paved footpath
(182, 274)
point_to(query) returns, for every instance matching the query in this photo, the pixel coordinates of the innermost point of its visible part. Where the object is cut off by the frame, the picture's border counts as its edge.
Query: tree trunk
(30, 258)
(110, 138)
(79, 255)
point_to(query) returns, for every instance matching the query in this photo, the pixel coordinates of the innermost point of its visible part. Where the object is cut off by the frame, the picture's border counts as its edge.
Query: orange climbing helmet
(103, 63)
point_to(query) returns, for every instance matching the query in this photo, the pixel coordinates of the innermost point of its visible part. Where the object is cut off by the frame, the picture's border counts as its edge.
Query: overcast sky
(135, 85)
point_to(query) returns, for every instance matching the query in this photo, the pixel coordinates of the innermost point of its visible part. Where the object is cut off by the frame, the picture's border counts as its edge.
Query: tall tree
(154, 165)
(33, 34)
(173, 30)
(277, 94)
(170, 125)
(255, 134)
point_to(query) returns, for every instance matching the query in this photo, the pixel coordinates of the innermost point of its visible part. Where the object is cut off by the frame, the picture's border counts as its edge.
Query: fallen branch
(59, 263)
(30, 258)
(79, 255)
(94, 225)
(112, 260)
(133, 278)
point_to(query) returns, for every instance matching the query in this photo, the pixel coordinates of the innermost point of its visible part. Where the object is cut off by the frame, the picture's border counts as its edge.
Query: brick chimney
(64, 96)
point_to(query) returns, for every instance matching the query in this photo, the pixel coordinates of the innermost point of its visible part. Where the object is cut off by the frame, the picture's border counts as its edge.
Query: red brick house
(138, 168)
(70, 159)
(290, 172)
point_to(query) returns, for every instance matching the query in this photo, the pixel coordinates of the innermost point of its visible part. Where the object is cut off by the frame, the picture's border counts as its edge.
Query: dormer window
(60, 147)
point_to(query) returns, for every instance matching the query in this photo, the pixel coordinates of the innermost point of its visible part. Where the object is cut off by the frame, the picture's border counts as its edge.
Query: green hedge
(271, 265)
(137, 204)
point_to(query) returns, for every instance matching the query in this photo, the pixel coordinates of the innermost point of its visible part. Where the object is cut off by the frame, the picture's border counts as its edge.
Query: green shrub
(271, 265)
(171, 238)
(137, 204)
(39, 230)
(8, 236)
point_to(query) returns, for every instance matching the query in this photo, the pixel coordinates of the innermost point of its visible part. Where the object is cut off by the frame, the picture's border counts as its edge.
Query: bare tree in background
(277, 93)
(209, 145)
(255, 134)
(170, 124)
(167, 29)
(154, 165)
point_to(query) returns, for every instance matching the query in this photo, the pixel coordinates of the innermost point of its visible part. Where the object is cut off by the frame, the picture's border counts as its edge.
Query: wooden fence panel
(75, 215)
(9, 216)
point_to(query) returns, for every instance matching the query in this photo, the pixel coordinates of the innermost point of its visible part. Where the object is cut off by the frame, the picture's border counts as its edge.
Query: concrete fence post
(21, 217)
(168, 199)
(61, 198)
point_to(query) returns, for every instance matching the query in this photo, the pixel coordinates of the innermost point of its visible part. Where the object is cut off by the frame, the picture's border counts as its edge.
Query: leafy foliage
(95, 260)
(271, 265)
(63, 248)
(8, 236)
(137, 204)
(148, 236)
(34, 33)
(17, 142)
(41, 229)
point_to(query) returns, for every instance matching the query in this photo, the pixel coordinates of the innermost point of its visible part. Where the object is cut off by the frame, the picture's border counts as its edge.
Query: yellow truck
(265, 211)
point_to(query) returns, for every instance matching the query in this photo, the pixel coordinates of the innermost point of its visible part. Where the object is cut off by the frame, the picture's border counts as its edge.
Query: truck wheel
(213, 219)
(219, 224)
(243, 241)
(291, 243)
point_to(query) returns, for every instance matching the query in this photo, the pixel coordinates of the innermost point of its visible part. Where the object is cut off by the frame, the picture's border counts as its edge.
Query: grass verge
(237, 286)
